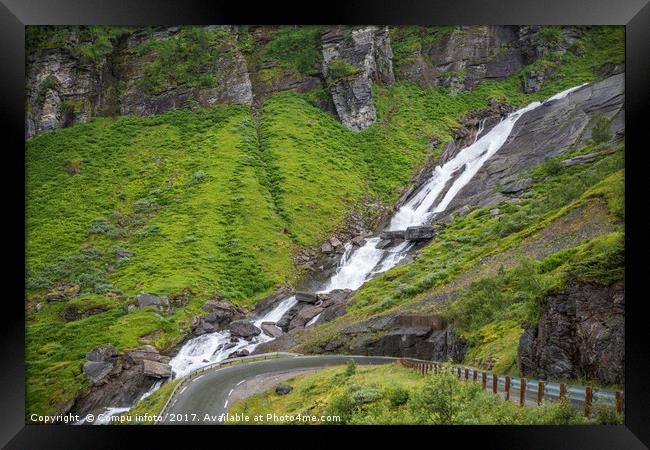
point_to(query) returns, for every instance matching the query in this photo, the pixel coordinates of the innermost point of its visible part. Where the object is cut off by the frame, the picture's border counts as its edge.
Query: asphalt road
(205, 399)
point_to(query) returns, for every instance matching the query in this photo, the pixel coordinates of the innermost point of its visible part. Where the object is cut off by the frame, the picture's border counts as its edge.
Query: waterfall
(358, 266)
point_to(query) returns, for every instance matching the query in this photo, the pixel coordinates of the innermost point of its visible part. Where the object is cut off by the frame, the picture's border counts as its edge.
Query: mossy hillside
(390, 394)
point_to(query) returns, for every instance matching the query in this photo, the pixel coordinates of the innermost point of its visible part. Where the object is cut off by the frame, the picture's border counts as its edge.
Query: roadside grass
(389, 394)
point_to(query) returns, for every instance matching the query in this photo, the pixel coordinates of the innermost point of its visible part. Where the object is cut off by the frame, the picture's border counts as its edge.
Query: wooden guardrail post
(588, 399)
(474, 375)
(562, 391)
(466, 373)
(619, 402)
(484, 380)
(522, 391)
(540, 392)
(459, 373)
(495, 383)
(507, 388)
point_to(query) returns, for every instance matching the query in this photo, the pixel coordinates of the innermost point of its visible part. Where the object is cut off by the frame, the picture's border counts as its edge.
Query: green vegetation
(390, 394)
(338, 70)
(295, 48)
(184, 59)
(92, 43)
(206, 202)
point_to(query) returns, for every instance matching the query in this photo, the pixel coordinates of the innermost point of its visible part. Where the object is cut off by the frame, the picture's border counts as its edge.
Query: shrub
(606, 414)
(437, 402)
(350, 368)
(552, 166)
(145, 206)
(340, 70)
(198, 177)
(561, 412)
(600, 133)
(398, 397)
(365, 395)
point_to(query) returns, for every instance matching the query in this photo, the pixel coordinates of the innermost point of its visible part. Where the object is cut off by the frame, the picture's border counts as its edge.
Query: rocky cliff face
(65, 88)
(581, 333)
(545, 132)
(367, 55)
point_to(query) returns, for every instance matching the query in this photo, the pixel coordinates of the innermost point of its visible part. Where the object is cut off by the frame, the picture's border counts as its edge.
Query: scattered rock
(244, 329)
(239, 354)
(283, 390)
(582, 159)
(419, 233)
(306, 297)
(270, 329)
(144, 299)
(495, 212)
(326, 248)
(100, 361)
(156, 369)
(334, 242)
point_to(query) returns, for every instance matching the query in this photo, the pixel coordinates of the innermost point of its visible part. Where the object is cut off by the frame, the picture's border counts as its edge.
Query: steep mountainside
(212, 167)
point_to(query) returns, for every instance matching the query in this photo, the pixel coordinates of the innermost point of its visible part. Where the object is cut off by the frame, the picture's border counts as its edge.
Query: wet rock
(392, 235)
(270, 329)
(221, 313)
(306, 297)
(156, 369)
(334, 242)
(305, 315)
(419, 233)
(244, 329)
(283, 390)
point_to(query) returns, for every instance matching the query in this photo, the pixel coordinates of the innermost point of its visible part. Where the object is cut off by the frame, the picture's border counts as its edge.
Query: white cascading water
(357, 267)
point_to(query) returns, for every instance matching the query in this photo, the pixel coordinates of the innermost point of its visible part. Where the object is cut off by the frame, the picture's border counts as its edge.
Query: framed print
(416, 217)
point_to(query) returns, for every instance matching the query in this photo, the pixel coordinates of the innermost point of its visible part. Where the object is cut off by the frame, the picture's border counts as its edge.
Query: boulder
(419, 233)
(244, 329)
(326, 248)
(392, 235)
(359, 241)
(582, 159)
(305, 314)
(334, 242)
(288, 316)
(270, 329)
(100, 361)
(306, 297)
(283, 390)
(221, 313)
(156, 369)
(144, 299)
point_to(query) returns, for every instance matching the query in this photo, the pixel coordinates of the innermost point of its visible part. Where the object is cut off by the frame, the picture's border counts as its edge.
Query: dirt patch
(264, 382)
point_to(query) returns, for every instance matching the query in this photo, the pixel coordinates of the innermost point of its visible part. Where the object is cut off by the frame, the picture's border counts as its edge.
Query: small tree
(600, 133)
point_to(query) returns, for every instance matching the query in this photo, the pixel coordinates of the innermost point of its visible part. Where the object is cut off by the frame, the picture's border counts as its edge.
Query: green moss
(296, 47)
(339, 70)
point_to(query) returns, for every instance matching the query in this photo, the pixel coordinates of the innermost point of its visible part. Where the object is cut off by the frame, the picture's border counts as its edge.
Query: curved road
(205, 399)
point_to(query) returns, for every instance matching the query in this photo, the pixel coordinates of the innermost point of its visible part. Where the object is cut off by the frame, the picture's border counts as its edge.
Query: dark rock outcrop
(270, 329)
(283, 390)
(580, 334)
(72, 313)
(130, 375)
(144, 300)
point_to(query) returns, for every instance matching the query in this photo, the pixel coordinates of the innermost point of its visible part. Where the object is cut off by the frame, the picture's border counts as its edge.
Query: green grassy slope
(389, 394)
(212, 202)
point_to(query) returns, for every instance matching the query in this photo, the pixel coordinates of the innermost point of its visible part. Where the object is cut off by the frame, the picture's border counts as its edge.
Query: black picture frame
(634, 14)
